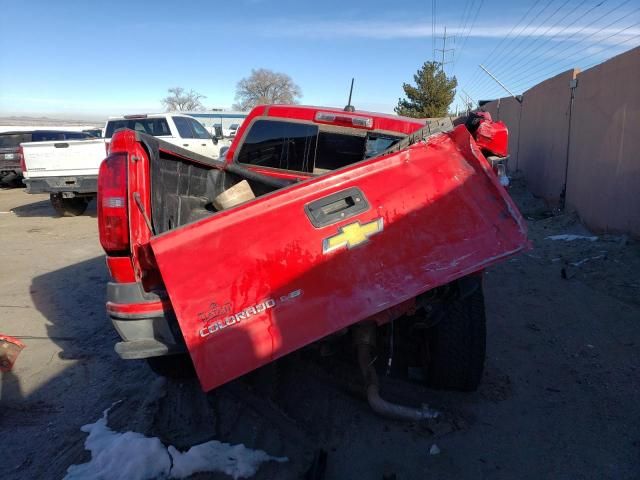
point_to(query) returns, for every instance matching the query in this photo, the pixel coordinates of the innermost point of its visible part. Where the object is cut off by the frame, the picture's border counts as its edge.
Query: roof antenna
(349, 107)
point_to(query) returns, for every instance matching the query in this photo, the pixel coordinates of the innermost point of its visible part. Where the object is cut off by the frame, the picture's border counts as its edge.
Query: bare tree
(180, 100)
(265, 86)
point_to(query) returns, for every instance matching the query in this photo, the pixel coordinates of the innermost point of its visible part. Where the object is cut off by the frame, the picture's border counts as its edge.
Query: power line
(637, 37)
(465, 18)
(550, 38)
(468, 96)
(479, 72)
(543, 55)
(500, 83)
(574, 62)
(511, 31)
(465, 14)
(523, 30)
(536, 65)
(506, 53)
(467, 102)
(470, 28)
(506, 58)
(539, 77)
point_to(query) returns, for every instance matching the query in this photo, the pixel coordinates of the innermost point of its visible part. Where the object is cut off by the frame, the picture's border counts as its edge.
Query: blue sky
(93, 59)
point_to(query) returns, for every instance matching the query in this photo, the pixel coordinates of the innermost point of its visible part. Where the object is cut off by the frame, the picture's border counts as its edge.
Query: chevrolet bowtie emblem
(352, 235)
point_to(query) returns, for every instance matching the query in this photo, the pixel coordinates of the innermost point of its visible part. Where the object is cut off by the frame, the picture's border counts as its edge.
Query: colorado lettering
(238, 317)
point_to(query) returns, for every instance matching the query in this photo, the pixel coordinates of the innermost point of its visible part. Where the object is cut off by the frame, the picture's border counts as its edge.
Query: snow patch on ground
(133, 456)
(569, 237)
(235, 460)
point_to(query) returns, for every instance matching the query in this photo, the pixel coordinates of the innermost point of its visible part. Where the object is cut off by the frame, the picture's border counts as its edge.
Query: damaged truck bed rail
(315, 220)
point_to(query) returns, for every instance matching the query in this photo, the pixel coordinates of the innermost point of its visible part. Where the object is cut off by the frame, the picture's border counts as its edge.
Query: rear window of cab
(303, 147)
(153, 126)
(13, 140)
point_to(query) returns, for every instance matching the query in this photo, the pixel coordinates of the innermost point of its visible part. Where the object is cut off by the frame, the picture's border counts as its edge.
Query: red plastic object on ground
(10, 348)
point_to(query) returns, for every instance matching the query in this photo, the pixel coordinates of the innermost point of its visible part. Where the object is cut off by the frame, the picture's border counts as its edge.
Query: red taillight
(113, 213)
(23, 164)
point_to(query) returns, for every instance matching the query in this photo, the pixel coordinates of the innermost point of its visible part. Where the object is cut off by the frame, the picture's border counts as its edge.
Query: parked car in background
(216, 131)
(11, 157)
(181, 130)
(233, 129)
(68, 171)
(218, 122)
(94, 132)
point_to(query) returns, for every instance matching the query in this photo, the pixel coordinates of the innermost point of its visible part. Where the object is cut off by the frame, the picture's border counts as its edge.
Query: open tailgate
(258, 281)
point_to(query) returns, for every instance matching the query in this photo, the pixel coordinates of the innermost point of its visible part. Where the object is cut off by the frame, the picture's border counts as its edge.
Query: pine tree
(431, 96)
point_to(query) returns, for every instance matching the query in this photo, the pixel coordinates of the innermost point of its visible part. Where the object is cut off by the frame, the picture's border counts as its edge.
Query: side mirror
(223, 151)
(214, 140)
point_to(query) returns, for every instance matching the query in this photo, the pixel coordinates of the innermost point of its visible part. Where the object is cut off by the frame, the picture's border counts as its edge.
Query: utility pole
(444, 50)
(517, 97)
(469, 97)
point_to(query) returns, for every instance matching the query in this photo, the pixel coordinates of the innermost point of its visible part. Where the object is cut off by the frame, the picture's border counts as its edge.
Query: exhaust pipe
(365, 339)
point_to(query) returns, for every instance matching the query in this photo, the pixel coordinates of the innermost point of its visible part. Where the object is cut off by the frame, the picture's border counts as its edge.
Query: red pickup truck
(348, 222)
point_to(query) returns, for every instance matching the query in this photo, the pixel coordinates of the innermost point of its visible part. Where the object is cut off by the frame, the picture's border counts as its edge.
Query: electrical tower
(444, 50)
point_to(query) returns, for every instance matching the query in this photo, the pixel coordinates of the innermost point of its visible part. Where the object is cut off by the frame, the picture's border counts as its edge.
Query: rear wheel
(69, 207)
(10, 180)
(176, 367)
(456, 345)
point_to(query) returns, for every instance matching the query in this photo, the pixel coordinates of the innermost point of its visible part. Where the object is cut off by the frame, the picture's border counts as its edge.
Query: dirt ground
(560, 397)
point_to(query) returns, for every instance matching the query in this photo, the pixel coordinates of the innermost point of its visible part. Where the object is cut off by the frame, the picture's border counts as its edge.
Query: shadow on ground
(82, 377)
(43, 208)
(89, 377)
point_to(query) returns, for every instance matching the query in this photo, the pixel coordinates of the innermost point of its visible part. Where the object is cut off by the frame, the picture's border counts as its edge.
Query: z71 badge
(244, 314)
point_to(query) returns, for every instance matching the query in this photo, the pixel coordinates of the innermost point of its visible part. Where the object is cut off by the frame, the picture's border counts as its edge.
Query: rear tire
(175, 367)
(11, 180)
(69, 207)
(456, 345)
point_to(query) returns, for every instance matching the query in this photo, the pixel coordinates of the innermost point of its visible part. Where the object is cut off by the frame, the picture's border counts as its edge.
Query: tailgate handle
(337, 206)
(61, 145)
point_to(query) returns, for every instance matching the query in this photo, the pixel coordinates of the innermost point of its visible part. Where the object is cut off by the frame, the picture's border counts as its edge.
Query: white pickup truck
(68, 170)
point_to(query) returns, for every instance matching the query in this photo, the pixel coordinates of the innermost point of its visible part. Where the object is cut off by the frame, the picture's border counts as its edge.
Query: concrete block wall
(585, 151)
(603, 183)
(542, 154)
(509, 111)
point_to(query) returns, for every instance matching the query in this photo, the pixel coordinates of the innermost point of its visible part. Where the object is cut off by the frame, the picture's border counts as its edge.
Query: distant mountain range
(37, 121)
